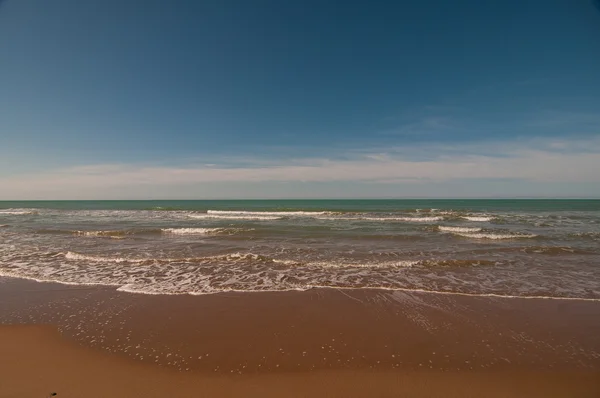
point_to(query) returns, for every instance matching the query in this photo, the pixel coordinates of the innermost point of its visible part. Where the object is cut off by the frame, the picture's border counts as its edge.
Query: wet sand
(95, 341)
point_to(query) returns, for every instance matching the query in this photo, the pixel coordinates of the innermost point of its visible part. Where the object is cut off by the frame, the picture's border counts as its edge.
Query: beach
(300, 298)
(306, 199)
(98, 342)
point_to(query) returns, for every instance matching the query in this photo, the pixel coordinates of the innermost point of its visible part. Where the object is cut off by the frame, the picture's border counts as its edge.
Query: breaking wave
(268, 213)
(231, 257)
(259, 258)
(406, 219)
(494, 236)
(196, 231)
(145, 231)
(477, 218)
(100, 259)
(110, 234)
(457, 229)
(234, 217)
(17, 212)
(364, 264)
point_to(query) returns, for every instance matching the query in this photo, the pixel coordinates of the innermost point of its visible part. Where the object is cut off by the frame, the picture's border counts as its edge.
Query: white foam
(100, 233)
(250, 272)
(494, 236)
(149, 290)
(85, 257)
(406, 219)
(268, 213)
(450, 293)
(230, 257)
(457, 229)
(237, 257)
(233, 217)
(477, 218)
(385, 264)
(321, 215)
(192, 231)
(17, 212)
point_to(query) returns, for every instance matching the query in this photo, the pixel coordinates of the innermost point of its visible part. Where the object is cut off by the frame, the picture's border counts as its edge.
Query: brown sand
(317, 343)
(37, 361)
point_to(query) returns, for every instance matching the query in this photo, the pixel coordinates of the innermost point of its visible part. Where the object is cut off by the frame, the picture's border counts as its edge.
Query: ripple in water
(211, 250)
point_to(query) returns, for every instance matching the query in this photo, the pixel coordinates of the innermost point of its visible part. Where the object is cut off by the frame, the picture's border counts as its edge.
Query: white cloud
(534, 161)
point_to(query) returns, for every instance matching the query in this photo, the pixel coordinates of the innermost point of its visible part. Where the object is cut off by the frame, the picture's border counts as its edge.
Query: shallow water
(531, 248)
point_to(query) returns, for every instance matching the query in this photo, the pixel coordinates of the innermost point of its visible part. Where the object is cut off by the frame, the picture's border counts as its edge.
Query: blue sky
(246, 99)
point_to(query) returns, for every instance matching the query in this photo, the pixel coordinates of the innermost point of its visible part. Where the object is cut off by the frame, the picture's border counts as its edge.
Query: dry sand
(96, 342)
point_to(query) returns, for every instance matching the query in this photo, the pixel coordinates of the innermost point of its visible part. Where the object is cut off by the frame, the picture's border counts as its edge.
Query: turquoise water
(506, 248)
(334, 205)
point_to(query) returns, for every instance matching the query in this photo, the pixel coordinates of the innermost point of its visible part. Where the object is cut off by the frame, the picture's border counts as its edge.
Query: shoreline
(417, 343)
(339, 289)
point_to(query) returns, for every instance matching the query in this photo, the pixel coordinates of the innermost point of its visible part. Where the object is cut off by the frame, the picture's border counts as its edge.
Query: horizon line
(328, 198)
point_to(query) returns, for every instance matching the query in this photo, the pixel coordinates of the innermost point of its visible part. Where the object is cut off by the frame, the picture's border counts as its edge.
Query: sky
(123, 99)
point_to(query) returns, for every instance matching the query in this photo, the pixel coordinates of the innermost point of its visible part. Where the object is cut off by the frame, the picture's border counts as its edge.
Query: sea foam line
(236, 257)
(407, 219)
(111, 234)
(127, 288)
(78, 256)
(385, 264)
(192, 231)
(384, 219)
(233, 257)
(492, 295)
(493, 236)
(478, 218)
(11, 212)
(458, 229)
(268, 213)
(233, 217)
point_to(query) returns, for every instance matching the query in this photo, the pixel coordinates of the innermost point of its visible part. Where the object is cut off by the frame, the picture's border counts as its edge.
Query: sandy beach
(314, 199)
(97, 342)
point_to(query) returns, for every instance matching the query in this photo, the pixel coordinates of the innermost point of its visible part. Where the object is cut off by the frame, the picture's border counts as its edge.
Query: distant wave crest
(191, 231)
(458, 229)
(405, 219)
(233, 217)
(17, 212)
(478, 218)
(493, 236)
(268, 213)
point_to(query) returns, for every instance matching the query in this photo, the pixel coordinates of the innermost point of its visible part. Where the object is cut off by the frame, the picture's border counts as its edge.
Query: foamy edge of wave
(85, 257)
(385, 264)
(128, 289)
(407, 219)
(318, 216)
(268, 213)
(15, 212)
(192, 231)
(224, 257)
(100, 233)
(235, 257)
(477, 218)
(233, 217)
(494, 236)
(458, 229)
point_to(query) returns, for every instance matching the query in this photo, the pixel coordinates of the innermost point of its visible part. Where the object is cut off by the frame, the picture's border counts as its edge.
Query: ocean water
(509, 248)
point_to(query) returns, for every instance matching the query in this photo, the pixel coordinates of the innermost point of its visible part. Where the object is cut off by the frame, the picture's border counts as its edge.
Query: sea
(493, 248)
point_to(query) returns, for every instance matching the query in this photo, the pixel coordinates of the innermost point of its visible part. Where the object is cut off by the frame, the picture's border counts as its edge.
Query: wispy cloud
(535, 161)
